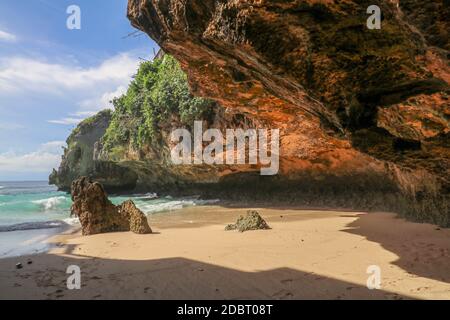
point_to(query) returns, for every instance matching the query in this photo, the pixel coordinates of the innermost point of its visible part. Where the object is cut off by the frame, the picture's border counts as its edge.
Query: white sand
(306, 254)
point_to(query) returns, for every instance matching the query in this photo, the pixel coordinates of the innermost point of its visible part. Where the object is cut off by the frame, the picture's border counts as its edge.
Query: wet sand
(306, 255)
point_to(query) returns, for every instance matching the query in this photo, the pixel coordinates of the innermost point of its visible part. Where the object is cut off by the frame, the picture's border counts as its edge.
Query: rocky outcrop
(137, 220)
(98, 215)
(152, 163)
(361, 112)
(251, 221)
(431, 18)
(79, 158)
(128, 149)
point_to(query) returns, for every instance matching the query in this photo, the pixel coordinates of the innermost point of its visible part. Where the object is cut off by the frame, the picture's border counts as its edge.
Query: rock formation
(362, 112)
(251, 221)
(98, 215)
(79, 158)
(137, 220)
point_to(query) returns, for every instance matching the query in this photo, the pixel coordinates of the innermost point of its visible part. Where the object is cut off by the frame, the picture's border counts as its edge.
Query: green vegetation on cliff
(157, 100)
(79, 158)
(158, 95)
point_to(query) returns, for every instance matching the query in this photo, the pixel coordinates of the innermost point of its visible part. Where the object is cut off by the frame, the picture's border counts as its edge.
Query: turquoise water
(37, 205)
(32, 212)
(22, 202)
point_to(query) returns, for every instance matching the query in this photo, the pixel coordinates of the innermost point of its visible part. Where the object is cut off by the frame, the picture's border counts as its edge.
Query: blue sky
(52, 77)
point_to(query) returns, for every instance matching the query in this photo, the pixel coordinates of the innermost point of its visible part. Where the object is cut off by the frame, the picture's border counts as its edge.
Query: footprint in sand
(419, 289)
(393, 296)
(148, 290)
(286, 281)
(350, 288)
(282, 294)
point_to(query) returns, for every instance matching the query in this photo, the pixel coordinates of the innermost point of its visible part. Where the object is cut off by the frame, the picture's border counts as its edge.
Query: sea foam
(50, 203)
(72, 221)
(171, 205)
(33, 226)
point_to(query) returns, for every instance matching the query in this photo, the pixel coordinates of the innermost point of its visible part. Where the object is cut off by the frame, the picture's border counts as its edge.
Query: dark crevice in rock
(406, 144)
(385, 96)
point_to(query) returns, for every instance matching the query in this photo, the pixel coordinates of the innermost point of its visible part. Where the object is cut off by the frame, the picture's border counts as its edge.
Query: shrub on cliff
(158, 94)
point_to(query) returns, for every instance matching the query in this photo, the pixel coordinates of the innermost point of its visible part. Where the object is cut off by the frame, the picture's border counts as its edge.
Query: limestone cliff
(78, 158)
(362, 112)
(157, 102)
(128, 149)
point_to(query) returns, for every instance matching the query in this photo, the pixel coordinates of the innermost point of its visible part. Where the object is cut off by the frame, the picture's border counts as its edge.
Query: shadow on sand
(174, 278)
(422, 250)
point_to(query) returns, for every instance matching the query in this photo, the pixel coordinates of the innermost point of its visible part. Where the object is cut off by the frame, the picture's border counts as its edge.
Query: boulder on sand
(251, 221)
(98, 214)
(137, 219)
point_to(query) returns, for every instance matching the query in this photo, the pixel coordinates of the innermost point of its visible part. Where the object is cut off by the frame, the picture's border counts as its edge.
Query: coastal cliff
(78, 158)
(363, 114)
(128, 149)
(317, 72)
(354, 105)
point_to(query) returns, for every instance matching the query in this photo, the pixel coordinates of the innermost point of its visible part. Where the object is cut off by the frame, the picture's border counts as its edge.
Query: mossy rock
(251, 221)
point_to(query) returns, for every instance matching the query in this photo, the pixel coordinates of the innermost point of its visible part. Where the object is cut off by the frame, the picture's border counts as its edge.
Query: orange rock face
(355, 107)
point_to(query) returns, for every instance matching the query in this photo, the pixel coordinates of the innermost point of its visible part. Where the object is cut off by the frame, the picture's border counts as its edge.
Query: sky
(52, 76)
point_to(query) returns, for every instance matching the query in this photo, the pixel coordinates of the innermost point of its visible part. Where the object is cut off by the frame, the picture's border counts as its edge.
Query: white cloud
(93, 87)
(83, 114)
(74, 118)
(23, 74)
(5, 36)
(53, 146)
(66, 121)
(43, 160)
(104, 101)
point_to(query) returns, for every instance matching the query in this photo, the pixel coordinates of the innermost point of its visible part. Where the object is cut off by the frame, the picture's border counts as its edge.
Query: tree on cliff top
(158, 95)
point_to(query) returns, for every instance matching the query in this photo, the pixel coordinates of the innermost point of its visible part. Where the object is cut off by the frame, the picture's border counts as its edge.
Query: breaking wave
(33, 226)
(50, 203)
(168, 204)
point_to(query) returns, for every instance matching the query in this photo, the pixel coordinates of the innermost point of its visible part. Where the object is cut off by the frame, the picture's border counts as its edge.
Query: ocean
(32, 211)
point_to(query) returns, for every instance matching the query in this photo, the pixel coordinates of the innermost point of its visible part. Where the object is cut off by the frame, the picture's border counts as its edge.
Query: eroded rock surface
(79, 158)
(98, 214)
(357, 108)
(251, 221)
(137, 219)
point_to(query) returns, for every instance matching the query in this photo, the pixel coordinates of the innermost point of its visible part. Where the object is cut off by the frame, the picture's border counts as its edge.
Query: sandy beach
(306, 255)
